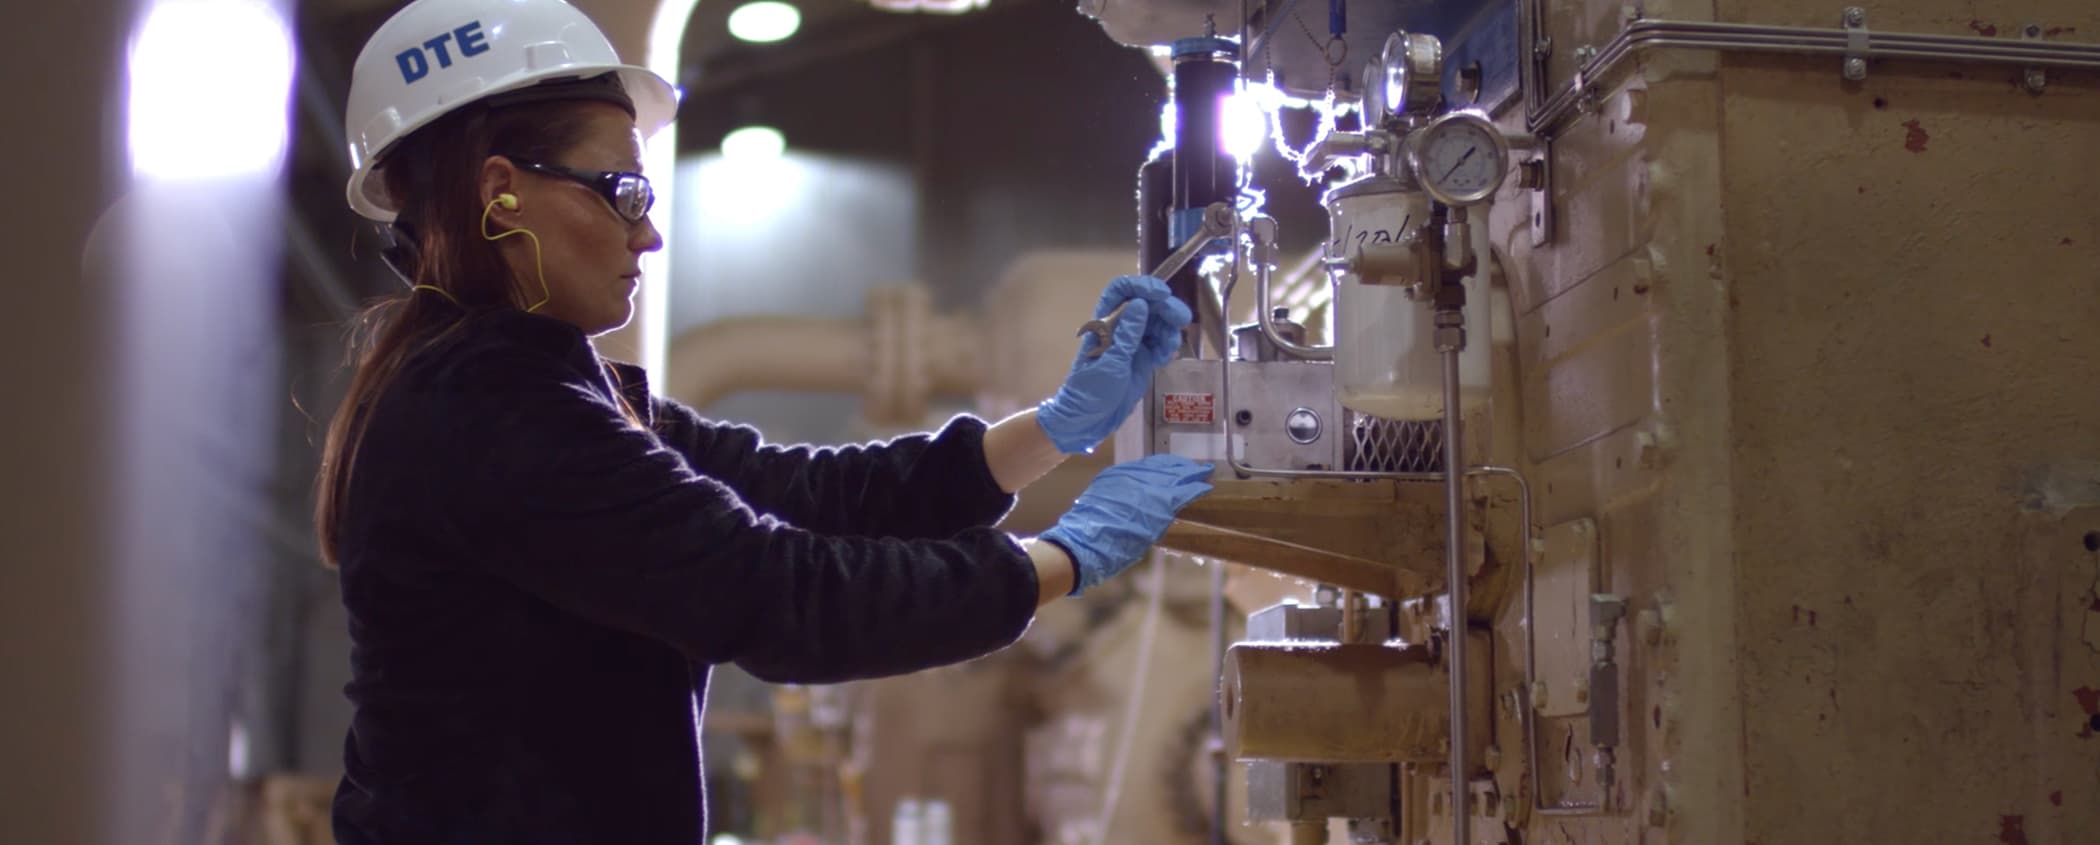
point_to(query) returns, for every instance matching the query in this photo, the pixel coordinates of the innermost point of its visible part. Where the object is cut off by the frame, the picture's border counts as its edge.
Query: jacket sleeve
(909, 487)
(566, 499)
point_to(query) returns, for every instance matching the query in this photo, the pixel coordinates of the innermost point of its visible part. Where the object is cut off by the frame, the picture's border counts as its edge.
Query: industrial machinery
(1670, 561)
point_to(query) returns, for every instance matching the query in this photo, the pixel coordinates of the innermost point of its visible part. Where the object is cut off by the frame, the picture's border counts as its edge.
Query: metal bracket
(2036, 79)
(1856, 43)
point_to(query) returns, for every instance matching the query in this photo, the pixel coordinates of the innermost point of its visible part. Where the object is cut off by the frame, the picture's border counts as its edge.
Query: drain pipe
(1450, 341)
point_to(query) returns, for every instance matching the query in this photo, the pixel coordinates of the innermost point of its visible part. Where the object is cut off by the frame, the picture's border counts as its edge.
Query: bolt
(2037, 79)
(1855, 16)
(2033, 30)
(1532, 174)
(1855, 69)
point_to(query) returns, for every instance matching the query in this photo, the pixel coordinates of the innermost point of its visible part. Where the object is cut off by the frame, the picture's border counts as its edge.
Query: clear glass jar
(1386, 363)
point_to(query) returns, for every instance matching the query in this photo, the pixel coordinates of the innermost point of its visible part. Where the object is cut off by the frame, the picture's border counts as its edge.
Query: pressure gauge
(1375, 108)
(1460, 158)
(1412, 67)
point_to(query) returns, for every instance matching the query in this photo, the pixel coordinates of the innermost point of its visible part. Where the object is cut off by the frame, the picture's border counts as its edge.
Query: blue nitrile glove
(1099, 392)
(1123, 512)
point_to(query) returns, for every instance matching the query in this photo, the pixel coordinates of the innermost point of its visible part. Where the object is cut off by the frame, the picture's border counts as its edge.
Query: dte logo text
(471, 40)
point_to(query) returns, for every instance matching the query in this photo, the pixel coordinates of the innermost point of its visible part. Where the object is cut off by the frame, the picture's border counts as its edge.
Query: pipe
(1148, 631)
(770, 352)
(896, 358)
(1451, 340)
(1263, 230)
(1221, 766)
(1547, 117)
(1332, 703)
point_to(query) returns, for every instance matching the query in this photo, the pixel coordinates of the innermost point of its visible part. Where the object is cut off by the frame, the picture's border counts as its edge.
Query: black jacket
(537, 588)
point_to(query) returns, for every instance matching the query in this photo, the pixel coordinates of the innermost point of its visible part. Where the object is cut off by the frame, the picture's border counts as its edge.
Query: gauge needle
(1461, 162)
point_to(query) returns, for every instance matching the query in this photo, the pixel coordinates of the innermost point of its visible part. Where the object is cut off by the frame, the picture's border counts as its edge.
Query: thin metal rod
(1455, 587)
(1220, 766)
(1531, 649)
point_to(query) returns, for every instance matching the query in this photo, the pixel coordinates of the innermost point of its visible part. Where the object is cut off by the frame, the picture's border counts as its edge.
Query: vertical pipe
(1451, 340)
(1217, 707)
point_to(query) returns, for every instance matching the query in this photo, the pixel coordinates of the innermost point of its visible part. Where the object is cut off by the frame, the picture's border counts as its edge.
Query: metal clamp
(1856, 43)
(2034, 77)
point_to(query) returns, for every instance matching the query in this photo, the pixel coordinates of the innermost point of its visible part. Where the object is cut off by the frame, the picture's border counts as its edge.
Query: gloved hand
(1100, 392)
(1123, 512)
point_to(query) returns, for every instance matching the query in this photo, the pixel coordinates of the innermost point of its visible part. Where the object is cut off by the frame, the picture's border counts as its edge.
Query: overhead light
(941, 7)
(764, 22)
(753, 144)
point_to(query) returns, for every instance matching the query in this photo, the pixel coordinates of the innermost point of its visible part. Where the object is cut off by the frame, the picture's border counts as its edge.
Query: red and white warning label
(1187, 408)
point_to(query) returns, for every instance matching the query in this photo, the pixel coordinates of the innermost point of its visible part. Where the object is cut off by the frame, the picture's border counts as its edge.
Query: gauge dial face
(1393, 62)
(1375, 105)
(1461, 160)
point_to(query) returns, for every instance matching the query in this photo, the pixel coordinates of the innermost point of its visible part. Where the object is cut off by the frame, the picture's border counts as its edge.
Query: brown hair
(435, 174)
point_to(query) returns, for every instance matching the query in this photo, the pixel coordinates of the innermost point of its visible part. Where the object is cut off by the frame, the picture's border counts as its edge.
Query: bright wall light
(753, 144)
(210, 84)
(764, 22)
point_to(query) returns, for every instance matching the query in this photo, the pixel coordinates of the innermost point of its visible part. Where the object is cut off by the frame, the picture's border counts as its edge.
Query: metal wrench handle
(1217, 223)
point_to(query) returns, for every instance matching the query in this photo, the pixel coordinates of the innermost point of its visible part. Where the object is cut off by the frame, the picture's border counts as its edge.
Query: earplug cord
(538, 262)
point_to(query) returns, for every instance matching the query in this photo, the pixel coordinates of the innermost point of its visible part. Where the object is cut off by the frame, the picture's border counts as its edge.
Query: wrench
(1217, 223)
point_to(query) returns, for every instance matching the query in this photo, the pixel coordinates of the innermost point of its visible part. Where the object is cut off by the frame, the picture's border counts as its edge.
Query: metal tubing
(1220, 767)
(1531, 649)
(1547, 117)
(1455, 578)
(1264, 235)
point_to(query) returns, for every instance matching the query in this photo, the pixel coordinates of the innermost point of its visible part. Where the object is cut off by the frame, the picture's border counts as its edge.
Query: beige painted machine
(1777, 520)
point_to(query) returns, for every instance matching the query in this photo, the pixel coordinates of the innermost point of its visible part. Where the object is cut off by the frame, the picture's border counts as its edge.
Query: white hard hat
(435, 56)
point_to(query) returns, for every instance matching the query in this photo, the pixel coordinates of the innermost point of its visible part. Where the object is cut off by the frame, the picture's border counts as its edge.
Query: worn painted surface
(1817, 357)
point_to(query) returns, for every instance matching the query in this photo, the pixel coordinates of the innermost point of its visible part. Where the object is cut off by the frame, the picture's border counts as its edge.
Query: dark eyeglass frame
(605, 183)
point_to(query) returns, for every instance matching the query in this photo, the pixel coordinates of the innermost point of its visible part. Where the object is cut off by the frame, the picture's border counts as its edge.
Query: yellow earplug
(510, 202)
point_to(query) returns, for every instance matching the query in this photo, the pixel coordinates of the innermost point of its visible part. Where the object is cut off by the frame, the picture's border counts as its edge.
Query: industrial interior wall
(1807, 376)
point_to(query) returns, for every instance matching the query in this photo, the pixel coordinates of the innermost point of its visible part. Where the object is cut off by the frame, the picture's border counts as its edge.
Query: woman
(540, 561)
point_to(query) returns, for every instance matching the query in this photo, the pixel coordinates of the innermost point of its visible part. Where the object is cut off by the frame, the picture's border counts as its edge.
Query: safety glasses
(629, 194)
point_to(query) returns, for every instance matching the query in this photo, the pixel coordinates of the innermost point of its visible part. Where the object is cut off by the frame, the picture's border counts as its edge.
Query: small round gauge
(1460, 158)
(1375, 106)
(1412, 67)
